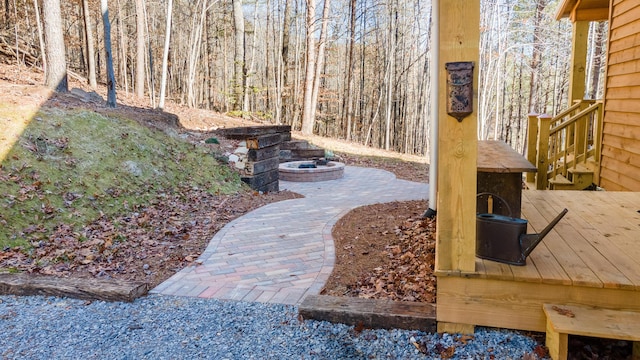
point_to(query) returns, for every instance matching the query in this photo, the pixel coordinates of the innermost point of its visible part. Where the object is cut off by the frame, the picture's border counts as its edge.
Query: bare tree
(91, 52)
(165, 54)
(320, 57)
(307, 113)
(239, 55)
(56, 75)
(40, 35)
(111, 78)
(140, 53)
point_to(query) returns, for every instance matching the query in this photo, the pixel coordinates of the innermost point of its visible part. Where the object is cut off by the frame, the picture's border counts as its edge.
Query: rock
(132, 167)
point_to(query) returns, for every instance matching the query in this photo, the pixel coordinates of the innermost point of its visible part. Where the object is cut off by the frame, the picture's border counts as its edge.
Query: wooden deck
(592, 257)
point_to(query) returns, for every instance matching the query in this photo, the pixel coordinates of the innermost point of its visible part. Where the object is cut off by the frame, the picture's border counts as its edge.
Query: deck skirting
(518, 305)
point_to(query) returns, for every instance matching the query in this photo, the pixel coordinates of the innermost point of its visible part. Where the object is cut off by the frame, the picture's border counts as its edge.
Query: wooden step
(563, 320)
(580, 169)
(581, 176)
(307, 153)
(294, 145)
(560, 183)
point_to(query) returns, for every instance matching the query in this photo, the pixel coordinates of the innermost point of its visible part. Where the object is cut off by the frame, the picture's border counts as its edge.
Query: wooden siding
(620, 162)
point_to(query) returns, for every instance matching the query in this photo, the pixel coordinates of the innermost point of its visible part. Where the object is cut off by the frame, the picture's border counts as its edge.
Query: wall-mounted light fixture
(459, 89)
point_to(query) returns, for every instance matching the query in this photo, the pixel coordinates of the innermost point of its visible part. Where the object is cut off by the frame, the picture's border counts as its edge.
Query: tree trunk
(40, 36)
(320, 57)
(349, 88)
(249, 72)
(310, 70)
(111, 79)
(56, 75)
(286, 26)
(91, 50)
(535, 59)
(140, 53)
(194, 55)
(596, 64)
(165, 54)
(238, 69)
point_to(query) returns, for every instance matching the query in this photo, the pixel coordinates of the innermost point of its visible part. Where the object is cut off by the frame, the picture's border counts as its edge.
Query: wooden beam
(87, 289)
(370, 313)
(599, 14)
(577, 76)
(457, 143)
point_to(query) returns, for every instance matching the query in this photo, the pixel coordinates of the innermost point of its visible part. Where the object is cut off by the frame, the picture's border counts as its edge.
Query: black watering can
(505, 239)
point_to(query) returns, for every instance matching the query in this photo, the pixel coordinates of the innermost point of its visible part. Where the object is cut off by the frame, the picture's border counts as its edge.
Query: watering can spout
(530, 241)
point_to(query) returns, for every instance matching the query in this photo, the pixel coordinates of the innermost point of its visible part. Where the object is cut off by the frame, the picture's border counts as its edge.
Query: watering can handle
(499, 198)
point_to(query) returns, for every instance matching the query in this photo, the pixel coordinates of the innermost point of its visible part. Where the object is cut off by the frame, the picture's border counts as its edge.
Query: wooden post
(532, 136)
(542, 162)
(580, 134)
(577, 76)
(597, 143)
(457, 142)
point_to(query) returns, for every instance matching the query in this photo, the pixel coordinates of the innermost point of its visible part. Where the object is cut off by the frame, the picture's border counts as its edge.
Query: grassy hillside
(73, 166)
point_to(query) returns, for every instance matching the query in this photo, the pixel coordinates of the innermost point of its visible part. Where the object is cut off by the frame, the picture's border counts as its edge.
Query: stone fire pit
(310, 171)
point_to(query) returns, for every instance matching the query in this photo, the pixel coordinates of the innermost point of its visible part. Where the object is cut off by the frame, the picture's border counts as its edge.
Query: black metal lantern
(459, 89)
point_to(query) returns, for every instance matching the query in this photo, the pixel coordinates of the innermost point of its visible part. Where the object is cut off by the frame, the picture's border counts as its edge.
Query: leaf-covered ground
(126, 193)
(385, 251)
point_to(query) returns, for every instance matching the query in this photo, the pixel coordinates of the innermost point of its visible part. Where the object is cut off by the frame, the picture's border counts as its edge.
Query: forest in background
(350, 69)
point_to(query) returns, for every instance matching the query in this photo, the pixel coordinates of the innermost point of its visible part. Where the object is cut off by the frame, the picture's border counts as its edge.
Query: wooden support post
(542, 162)
(457, 142)
(453, 328)
(577, 76)
(459, 35)
(597, 145)
(532, 136)
(556, 342)
(580, 135)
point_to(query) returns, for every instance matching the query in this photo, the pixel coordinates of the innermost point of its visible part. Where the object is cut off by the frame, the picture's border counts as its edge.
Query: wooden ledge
(564, 320)
(87, 289)
(370, 313)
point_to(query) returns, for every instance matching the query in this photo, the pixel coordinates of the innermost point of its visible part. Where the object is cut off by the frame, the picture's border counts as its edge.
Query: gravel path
(169, 327)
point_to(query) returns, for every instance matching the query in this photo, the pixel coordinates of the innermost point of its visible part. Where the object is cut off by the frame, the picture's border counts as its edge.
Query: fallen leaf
(563, 311)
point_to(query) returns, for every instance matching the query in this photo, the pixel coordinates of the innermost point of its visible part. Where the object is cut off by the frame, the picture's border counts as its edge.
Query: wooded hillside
(353, 69)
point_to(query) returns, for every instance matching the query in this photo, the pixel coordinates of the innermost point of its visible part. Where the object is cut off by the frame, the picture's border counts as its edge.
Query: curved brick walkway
(283, 251)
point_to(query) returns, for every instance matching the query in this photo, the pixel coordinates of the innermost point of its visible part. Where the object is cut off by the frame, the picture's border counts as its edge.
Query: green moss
(74, 166)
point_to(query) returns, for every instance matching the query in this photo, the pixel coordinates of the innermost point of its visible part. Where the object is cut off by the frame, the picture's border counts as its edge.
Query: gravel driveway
(169, 327)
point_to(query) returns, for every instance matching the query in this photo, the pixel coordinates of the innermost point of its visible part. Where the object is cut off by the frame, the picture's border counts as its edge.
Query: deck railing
(559, 143)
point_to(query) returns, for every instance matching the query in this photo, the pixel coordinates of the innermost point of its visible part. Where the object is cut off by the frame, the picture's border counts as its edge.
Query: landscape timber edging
(370, 313)
(86, 289)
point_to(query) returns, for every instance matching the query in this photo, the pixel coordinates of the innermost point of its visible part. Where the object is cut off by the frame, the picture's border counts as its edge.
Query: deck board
(563, 250)
(542, 257)
(616, 224)
(597, 244)
(591, 258)
(603, 257)
(616, 256)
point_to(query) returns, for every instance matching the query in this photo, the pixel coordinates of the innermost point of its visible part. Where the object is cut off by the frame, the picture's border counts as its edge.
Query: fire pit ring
(310, 171)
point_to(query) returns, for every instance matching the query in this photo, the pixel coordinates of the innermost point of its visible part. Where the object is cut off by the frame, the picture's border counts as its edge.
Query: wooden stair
(298, 150)
(563, 320)
(578, 178)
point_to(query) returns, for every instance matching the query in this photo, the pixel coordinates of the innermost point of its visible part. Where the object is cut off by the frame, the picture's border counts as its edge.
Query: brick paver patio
(281, 252)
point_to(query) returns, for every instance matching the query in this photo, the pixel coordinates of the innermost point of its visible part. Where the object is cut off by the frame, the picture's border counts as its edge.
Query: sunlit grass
(74, 166)
(13, 122)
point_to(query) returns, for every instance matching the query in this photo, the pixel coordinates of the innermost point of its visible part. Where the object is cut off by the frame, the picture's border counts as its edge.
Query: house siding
(620, 162)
